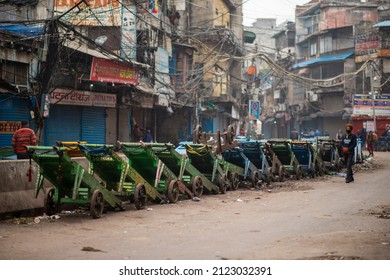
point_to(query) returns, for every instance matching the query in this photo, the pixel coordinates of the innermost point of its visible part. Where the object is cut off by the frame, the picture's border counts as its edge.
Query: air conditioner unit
(311, 96)
(314, 97)
(308, 93)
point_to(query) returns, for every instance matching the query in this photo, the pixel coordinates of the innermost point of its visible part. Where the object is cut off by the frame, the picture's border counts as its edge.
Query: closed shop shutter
(207, 124)
(93, 129)
(63, 124)
(13, 109)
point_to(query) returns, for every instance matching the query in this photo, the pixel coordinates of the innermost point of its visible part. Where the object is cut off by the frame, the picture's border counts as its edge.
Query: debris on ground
(383, 212)
(90, 249)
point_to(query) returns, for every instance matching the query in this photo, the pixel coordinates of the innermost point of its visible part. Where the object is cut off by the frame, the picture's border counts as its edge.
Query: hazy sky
(279, 9)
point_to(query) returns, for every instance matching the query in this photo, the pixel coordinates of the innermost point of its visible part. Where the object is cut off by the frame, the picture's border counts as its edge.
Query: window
(313, 49)
(14, 72)
(326, 44)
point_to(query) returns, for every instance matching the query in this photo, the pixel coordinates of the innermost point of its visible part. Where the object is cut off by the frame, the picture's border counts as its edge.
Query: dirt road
(322, 218)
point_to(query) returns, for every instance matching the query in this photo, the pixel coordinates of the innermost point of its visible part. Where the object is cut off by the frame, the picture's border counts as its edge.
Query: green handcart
(282, 149)
(182, 168)
(119, 177)
(72, 183)
(222, 173)
(329, 151)
(154, 171)
(273, 167)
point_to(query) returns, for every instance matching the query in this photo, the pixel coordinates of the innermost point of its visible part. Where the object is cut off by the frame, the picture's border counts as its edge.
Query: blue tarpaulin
(28, 31)
(327, 58)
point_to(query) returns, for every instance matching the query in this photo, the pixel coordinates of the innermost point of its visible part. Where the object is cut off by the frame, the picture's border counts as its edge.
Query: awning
(329, 114)
(385, 23)
(306, 118)
(327, 58)
(81, 47)
(145, 89)
(269, 120)
(84, 49)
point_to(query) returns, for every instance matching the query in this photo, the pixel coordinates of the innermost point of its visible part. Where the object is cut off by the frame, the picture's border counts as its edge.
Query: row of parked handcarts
(155, 172)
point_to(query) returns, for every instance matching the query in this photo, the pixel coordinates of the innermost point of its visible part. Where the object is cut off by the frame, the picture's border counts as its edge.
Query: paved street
(322, 218)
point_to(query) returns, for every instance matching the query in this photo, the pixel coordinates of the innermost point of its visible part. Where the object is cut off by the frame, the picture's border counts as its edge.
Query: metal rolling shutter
(63, 124)
(13, 109)
(93, 129)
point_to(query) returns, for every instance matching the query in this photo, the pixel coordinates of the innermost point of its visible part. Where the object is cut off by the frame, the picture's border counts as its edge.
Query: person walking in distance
(348, 143)
(370, 143)
(24, 136)
(339, 135)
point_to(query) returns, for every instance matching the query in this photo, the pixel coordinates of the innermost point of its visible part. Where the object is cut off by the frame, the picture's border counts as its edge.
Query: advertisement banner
(163, 80)
(129, 33)
(103, 70)
(362, 105)
(96, 13)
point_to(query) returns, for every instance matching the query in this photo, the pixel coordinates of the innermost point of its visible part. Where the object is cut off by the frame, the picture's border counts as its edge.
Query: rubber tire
(49, 204)
(281, 173)
(235, 181)
(223, 184)
(198, 134)
(97, 204)
(255, 179)
(197, 186)
(173, 191)
(270, 176)
(230, 134)
(140, 196)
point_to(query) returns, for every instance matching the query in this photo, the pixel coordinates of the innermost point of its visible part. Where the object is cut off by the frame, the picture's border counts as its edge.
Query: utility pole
(375, 90)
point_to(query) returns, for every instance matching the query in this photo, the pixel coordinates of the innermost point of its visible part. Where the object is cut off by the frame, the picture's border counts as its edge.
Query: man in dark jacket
(348, 143)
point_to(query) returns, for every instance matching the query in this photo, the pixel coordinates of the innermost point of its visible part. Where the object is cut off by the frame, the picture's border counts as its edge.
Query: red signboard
(9, 127)
(108, 71)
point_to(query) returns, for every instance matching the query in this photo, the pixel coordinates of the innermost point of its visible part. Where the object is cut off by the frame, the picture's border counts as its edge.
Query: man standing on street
(24, 136)
(348, 144)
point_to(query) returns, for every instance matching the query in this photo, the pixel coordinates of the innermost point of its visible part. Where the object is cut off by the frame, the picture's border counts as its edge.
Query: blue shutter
(63, 124)
(13, 109)
(207, 124)
(93, 129)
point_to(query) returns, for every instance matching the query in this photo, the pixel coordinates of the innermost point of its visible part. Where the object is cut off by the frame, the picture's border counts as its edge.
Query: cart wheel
(173, 191)
(197, 186)
(255, 179)
(235, 181)
(198, 134)
(97, 204)
(140, 196)
(281, 173)
(223, 183)
(49, 203)
(298, 173)
(230, 134)
(270, 176)
(312, 171)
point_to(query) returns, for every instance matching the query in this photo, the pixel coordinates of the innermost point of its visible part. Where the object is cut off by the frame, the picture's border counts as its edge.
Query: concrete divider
(17, 192)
